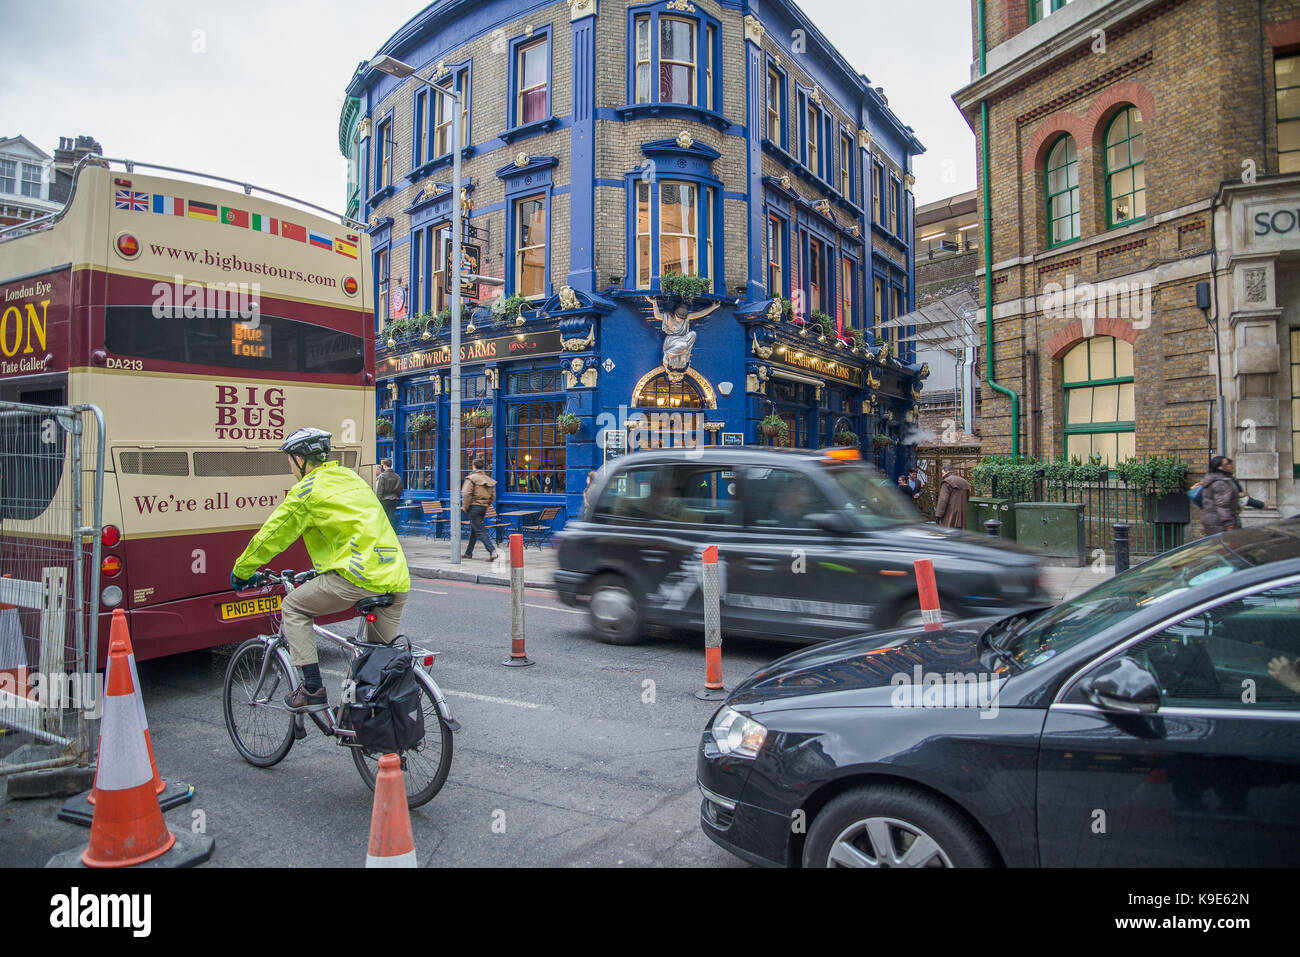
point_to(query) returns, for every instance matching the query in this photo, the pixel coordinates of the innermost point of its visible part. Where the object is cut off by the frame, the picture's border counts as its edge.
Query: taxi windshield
(872, 500)
(1156, 581)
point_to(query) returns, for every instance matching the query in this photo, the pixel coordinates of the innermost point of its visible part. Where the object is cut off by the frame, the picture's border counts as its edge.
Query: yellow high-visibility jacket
(343, 526)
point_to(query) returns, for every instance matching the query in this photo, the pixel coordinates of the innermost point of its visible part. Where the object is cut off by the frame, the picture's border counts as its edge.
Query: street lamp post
(395, 67)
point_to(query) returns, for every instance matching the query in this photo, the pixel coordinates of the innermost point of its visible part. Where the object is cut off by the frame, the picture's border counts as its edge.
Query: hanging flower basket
(569, 422)
(772, 426)
(880, 442)
(846, 438)
(420, 423)
(383, 427)
(480, 418)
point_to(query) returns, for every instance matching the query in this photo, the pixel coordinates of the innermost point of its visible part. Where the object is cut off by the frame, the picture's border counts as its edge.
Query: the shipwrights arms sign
(504, 348)
(830, 368)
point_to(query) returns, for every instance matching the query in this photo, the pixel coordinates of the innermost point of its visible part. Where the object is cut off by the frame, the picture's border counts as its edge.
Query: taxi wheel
(615, 611)
(908, 614)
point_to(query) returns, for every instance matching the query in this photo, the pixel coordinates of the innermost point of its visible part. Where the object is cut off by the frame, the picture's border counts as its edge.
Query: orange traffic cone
(391, 841)
(128, 828)
(80, 809)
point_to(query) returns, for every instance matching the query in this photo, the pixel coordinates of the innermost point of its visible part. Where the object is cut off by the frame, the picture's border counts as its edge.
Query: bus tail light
(111, 566)
(111, 596)
(110, 536)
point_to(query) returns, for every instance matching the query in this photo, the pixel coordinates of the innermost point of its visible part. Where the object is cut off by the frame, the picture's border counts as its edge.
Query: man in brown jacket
(476, 493)
(954, 492)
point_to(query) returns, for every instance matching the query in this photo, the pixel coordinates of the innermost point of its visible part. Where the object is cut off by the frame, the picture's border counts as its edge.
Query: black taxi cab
(812, 545)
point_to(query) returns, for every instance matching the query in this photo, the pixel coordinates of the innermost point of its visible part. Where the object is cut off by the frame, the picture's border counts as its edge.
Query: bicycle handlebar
(287, 576)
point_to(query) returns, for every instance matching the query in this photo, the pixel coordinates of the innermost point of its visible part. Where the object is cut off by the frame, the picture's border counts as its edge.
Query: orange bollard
(518, 656)
(713, 687)
(928, 591)
(392, 844)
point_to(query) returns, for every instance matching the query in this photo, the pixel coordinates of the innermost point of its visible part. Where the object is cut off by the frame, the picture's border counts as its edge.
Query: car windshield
(1173, 573)
(873, 501)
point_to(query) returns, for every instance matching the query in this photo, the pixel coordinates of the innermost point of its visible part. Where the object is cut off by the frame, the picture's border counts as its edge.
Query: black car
(1154, 720)
(812, 545)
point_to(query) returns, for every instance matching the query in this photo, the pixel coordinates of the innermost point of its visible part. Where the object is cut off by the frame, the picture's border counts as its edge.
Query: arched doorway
(672, 413)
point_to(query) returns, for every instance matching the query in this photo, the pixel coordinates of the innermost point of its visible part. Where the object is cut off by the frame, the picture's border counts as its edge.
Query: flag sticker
(130, 199)
(206, 211)
(291, 231)
(234, 217)
(168, 205)
(263, 224)
(320, 240)
(346, 248)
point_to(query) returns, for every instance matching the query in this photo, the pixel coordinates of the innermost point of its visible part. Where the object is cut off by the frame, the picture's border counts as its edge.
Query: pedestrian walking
(1223, 498)
(478, 491)
(905, 489)
(388, 489)
(954, 492)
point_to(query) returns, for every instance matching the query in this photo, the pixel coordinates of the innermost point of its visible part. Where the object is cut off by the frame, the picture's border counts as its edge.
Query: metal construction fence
(1111, 502)
(51, 507)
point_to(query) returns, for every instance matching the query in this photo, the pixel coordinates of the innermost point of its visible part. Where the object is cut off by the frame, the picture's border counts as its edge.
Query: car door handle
(656, 555)
(761, 564)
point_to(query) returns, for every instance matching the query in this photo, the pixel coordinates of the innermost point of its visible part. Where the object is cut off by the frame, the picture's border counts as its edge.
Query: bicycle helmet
(309, 443)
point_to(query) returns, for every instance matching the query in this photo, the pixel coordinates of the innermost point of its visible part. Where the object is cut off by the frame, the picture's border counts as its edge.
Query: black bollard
(993, 527)
(1121, 547)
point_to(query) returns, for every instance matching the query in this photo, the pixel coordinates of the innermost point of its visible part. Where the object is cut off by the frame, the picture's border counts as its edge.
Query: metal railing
(51, 512)
(1105, 504)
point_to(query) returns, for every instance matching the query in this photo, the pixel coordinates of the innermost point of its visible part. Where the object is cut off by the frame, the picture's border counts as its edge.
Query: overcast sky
(252, 89)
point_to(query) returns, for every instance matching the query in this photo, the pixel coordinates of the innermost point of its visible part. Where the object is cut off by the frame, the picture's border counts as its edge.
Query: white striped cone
(128, 826)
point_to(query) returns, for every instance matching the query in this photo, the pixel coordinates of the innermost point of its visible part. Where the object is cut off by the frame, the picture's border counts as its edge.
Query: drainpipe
(988, 250)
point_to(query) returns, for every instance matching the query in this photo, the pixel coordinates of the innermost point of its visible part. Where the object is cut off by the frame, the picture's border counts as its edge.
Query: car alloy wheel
(913, 618)
(885, 842)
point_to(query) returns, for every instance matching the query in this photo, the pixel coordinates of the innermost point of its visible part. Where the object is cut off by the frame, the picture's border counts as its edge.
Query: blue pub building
(702, 216)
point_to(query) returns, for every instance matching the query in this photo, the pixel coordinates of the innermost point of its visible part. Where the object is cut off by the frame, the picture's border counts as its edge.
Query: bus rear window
(224, 340)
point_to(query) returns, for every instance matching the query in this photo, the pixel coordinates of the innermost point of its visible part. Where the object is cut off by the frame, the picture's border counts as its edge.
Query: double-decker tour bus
(207, 325)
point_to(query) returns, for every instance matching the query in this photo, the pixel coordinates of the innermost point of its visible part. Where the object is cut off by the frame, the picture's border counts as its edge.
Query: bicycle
(260, 673)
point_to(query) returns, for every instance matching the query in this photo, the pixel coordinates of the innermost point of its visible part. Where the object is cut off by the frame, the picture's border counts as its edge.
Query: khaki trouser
(324, 595)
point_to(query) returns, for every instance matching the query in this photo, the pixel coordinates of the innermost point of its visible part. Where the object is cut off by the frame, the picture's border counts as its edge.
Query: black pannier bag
(381, 700)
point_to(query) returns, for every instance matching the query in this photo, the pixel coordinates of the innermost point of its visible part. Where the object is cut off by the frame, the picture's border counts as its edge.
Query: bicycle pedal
(299, 730)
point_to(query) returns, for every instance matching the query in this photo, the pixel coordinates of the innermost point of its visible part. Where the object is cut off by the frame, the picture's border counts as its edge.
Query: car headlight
(738, 734)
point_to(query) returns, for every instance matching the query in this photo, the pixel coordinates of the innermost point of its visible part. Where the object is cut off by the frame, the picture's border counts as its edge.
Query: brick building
(608, 145)
(1135, 149)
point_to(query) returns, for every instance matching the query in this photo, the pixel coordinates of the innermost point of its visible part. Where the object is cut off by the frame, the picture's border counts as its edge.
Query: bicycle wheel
(261, 729)
(425, 767)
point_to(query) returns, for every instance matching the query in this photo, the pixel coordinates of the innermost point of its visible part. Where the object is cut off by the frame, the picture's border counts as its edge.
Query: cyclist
(351, 544)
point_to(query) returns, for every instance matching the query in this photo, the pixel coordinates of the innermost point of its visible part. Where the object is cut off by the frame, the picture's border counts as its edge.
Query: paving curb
(455, 574)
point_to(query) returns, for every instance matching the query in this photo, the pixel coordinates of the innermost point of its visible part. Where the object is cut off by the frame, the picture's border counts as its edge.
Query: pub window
(674, 59)
(791, 401)
(893, 206)
(531, 81)
(673, 229)
(877, 178)
(816, 265)
(846, 167)
(381, 288)
(418, 274)
(775, 106)
(530, 246)
(674, 416)
(419, 436)
(384, 154)
(420, 128)
(535, 448)
(846, 294)
(474, 443)
(443, 114)
(775, 255)
(1097, 376)
(878, 302)
(812, 137)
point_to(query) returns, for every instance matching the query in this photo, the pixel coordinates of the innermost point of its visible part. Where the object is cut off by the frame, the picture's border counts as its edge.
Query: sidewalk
(431, 558)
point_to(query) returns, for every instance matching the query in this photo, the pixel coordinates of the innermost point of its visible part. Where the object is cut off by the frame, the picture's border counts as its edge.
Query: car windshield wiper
(1000, 632)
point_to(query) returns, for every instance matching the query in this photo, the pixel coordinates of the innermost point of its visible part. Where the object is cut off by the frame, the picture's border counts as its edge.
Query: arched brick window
(1125, 166)
(1061, 175)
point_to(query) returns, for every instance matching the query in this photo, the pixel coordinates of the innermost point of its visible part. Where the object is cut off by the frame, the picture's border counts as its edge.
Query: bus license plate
(249, 606)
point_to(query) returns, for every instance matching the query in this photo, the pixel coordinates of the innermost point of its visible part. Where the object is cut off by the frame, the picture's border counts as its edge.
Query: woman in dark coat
(1220, 504)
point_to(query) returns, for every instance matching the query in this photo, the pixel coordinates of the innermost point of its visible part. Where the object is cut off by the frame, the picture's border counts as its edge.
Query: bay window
(674, 222)
(674, 58)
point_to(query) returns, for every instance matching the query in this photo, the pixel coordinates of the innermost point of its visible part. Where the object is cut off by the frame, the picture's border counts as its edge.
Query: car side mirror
(1125, 686)
(837, 523)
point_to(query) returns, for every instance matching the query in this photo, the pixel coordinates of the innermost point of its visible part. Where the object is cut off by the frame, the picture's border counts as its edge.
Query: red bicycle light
(109, 535)
(428, 660)
(371, 616)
